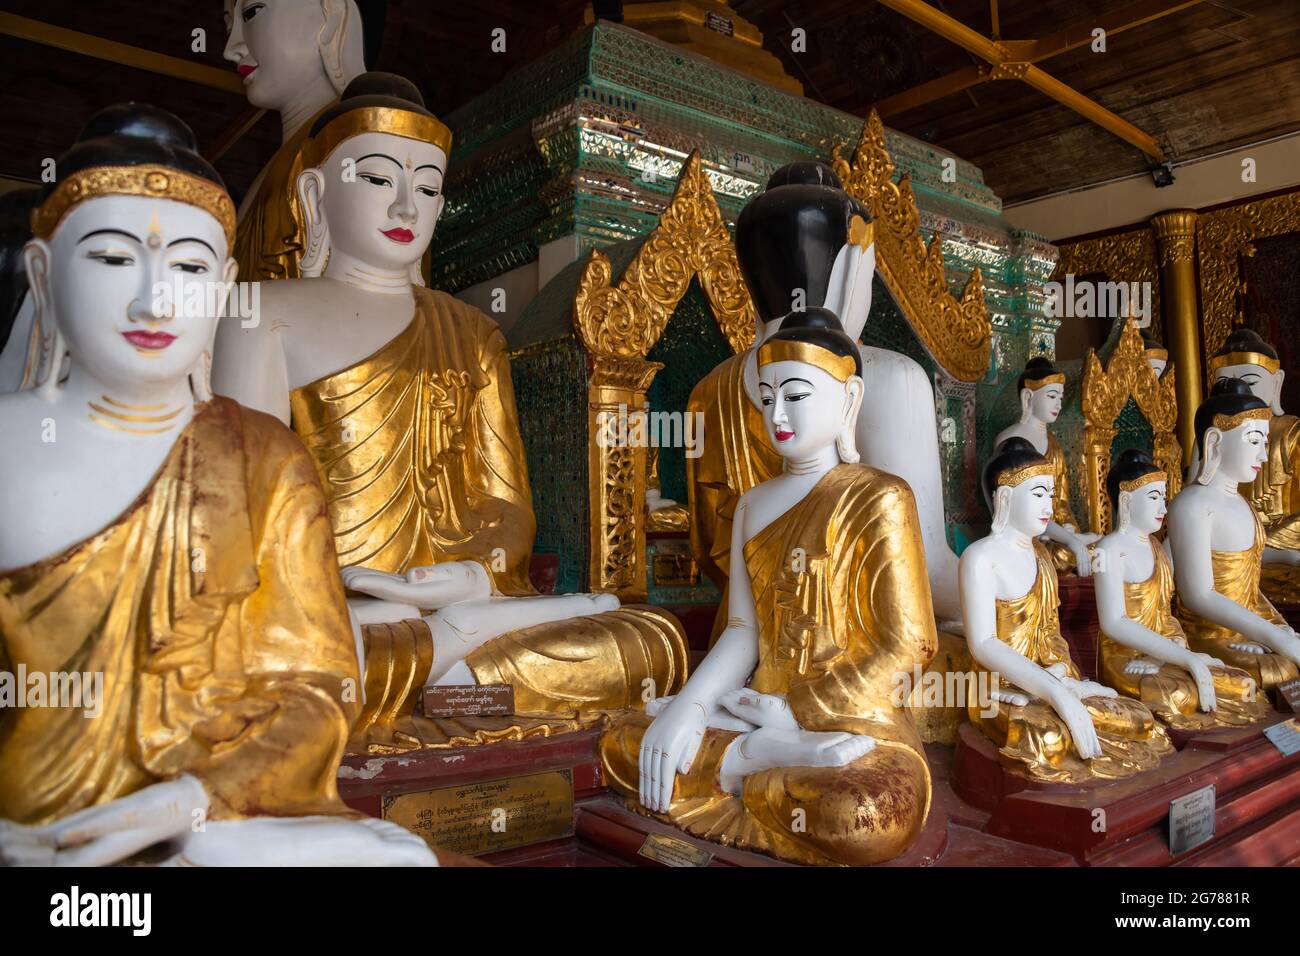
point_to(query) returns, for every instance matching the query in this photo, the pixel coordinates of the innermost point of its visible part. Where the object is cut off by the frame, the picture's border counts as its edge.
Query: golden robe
(1275, 495)
(269, 239)
(419, 452)
(737, 455)
(1171, 692)
(1033, 736)
(213, 611)
(836, 639)
(1236, 577)
(1062, 557)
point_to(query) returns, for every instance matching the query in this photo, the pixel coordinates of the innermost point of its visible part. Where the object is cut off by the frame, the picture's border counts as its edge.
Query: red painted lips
(245, 70)
(782, 435)
(399, 234)
(149, 340)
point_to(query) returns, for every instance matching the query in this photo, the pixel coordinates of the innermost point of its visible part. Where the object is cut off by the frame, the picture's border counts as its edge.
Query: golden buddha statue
(169, 550)
(403, 397)
(1275, 490)
(1144, 654)
(788, 739)
(1043, 717)
(1219, 543)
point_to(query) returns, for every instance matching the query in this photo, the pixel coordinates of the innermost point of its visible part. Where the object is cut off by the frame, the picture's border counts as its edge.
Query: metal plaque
(1288, 694)
(1285, 736)
(670, 851)
(469, 700)
(1191, 820)
(491, 815)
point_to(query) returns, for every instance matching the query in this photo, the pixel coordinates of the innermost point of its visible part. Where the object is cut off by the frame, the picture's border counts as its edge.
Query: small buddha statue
(1042, 715)
(1156, 354)
(1218, 542)
(803, 243)
(295, 58)
(1144, 654)
(167, 547)
(786, 739)
(403, 397)
(1275, 489)
(1042, 389)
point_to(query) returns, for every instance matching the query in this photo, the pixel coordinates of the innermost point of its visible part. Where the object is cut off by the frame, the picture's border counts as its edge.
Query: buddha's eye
(426, 190)
(767, 401)
(375, 179)
(191, 267)
(112, 258)
(252, 10)
(799, 397)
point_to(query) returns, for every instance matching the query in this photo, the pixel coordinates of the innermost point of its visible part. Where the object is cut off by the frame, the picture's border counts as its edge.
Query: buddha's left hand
(761, 710)
(430, 587)
(1083, 689)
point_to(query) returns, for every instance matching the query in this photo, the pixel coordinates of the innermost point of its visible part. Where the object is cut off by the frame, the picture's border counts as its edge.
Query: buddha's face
(381, 198)
(804, 408)
(1029, 506)
(1158, 365)
(1145, 507)
(1266, 385)
(1045, 402)
(108, 273)
(275, 46)
(1242, 451)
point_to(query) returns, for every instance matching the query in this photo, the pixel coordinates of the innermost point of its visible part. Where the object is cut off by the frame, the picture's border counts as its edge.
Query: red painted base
(1079, 624)
(1124, 822)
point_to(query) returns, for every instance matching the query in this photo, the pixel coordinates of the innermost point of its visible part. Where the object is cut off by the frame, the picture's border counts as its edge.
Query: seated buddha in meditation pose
(1218, 542)
(1047, 720)
(167, 548)
(403, 398)
(1275, 490)
(786, 739)
(1144, 653)
(1042, 389)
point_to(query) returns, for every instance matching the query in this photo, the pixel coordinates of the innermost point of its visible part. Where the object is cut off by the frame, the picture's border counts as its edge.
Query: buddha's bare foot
(305, 841)
(769, 748)
(1140, 666)
(1010, 696)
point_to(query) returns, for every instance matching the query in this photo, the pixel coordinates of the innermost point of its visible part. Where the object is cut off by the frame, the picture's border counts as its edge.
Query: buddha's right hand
(1078, 721)
(1198, 665)
(669, 747)
(429, 587)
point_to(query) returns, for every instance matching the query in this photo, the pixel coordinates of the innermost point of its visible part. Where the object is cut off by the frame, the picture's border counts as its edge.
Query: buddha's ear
(1122, 505)
(342, 48)
(316, 235)
(1026, 399)
(46, 358)
(1212, 454)
(1278, 376)
(1001, 508)
(846, 442)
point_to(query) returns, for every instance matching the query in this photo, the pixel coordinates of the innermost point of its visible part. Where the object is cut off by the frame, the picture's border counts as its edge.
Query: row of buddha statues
(269, 534)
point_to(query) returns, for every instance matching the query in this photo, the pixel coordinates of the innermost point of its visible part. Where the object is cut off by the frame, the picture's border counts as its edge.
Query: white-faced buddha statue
(164, 550)
(788, 739)
(1042, 390)
(1037, 708)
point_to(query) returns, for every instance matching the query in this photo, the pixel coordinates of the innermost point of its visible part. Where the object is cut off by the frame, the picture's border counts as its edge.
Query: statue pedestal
(1079, 625)
(1125, 822)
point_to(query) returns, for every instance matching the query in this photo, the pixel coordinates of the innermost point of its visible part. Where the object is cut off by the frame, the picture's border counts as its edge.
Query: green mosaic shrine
(588, 142)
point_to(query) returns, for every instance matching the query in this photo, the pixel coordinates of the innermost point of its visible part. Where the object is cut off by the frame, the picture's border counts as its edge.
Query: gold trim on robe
(1275, 495)
(835, 636)
(1236, 577)
(1171, 692)
(1033, 737)
(214, 612)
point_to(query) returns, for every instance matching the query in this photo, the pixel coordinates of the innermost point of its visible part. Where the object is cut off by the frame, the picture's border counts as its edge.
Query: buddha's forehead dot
(155, 231)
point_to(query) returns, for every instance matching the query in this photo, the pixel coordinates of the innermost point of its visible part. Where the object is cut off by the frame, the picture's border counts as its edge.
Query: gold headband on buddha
(1244, 358)
(1134, 484)
(376, 119)
(151, 180)
(1161, 354)
(838, 367)
(1009, 479)
(1226, 423)
(1034, 384)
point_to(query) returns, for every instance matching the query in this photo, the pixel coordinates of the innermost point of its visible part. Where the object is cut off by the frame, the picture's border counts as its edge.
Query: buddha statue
(1218, 542)
(166, 554)
(1144, 654)
(1042, 389)
(805, 243)
(1156, 354)
(295, 58)
(403, 397)
(786, 739)
(1275, 489)
(1044, 717)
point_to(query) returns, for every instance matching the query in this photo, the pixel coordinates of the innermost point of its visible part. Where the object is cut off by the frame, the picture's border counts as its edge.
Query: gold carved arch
(1105, 392)
(956, 332)
(619, 324)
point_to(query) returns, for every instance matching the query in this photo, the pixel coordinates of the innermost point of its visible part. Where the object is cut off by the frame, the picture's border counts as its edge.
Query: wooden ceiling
(1213, 76)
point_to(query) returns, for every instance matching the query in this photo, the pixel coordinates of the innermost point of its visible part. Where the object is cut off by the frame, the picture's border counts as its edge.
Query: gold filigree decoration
(956, 332)
(1105, 392)
(690, 240)
(1223, 237)
(1123, 257)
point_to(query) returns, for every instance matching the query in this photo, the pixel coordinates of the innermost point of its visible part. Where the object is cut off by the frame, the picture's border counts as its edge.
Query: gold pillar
(1176, 236)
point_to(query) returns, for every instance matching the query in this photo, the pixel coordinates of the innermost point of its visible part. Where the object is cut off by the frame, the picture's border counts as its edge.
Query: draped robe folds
(838, 636)
(1062, 557)
(212, 610)
(1275, 495)
(1237, 577)
(419, 452)
(1033, 736)
(269, 241)
(737, 455)
(1171, 692)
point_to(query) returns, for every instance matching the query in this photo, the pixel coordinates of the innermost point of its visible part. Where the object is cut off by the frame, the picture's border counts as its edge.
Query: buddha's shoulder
(262, 435)
(443, 307)
(863, 487)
